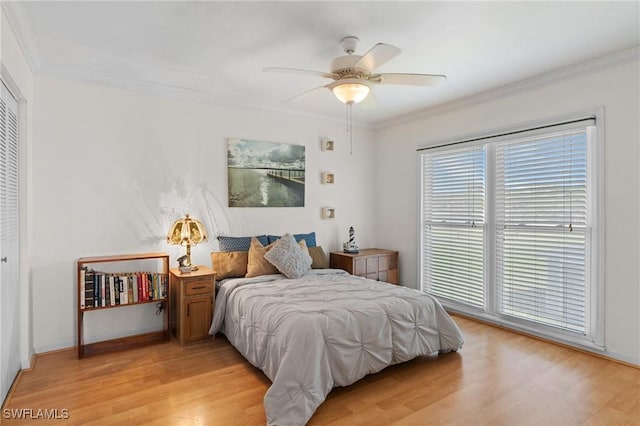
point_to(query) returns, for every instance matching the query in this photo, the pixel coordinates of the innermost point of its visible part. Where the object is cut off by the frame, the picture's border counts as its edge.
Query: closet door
(9, 289)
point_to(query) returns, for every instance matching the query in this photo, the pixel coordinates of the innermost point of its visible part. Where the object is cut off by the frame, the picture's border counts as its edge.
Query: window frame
(595, 205)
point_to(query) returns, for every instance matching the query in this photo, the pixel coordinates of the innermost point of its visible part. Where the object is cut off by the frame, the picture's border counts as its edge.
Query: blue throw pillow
(309, 239)
(228, 244)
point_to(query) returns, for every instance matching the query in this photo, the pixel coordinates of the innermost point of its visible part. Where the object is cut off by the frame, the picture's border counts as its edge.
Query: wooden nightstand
(192, 298)
(376, 264)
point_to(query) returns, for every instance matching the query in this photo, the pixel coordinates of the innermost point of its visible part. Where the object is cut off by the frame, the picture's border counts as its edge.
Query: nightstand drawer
(193, 288)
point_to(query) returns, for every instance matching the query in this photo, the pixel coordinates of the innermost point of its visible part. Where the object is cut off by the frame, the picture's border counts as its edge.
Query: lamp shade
(350, 92)
(187, 232)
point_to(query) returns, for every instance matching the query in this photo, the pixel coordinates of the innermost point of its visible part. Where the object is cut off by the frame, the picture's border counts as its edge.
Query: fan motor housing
(345, 65)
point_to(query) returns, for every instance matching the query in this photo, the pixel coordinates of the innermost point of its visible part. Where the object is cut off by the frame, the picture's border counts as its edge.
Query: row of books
(101, 289)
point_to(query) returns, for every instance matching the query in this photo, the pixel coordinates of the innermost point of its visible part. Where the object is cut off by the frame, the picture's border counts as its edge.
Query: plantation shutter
(542, 230)
(454, 218)
(9, 290)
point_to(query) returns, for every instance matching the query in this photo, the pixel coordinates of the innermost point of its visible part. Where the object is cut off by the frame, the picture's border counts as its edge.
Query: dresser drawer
(372, 264)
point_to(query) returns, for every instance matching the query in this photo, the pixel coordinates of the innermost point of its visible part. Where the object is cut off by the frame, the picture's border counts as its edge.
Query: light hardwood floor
(498, 378)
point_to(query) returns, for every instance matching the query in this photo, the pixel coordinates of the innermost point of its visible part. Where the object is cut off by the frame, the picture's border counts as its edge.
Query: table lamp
(186, 232)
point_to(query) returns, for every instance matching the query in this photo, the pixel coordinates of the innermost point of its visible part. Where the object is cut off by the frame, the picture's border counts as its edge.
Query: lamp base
(187, 269)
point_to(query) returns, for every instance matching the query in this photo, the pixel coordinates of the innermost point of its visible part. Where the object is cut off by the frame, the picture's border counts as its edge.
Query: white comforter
(326, 329)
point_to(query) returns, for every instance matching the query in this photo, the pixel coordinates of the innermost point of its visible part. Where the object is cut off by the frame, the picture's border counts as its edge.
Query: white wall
(110, 169)
(16, 73)
(615, 86)
(113, 168)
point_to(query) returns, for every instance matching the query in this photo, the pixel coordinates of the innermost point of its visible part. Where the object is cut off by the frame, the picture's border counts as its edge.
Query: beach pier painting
(265, 174)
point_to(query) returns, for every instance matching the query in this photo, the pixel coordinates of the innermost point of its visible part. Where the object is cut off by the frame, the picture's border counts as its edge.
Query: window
(508, 229)
(541, 230)
(454, 225)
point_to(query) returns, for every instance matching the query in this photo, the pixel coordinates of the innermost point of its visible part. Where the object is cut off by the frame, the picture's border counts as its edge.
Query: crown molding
(18, 18)
(583, 68)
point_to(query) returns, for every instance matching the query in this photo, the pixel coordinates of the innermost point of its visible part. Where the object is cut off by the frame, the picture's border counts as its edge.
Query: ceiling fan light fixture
(351, 93)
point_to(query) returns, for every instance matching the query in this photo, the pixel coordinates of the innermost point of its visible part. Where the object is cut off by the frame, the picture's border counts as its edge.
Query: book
(116, 283)
(145, 287)
(124, 295)
(139, 284)
(107, 291)
(154, 287)
(112, 291)
(130, 298)
(103, 291)
(165, 285)
(134, 287)
(96, 290)
(88, 288)
(83, 272)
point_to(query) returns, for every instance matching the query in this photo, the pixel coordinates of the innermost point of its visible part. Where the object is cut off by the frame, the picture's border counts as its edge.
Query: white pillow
(289, 257)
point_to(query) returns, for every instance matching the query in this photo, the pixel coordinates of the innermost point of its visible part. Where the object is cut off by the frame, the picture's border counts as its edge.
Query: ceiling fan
(353, 75)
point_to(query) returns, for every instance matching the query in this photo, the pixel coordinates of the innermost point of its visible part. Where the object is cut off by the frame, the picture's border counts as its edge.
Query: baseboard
(609, 356)
(53, 348)
(14, 385)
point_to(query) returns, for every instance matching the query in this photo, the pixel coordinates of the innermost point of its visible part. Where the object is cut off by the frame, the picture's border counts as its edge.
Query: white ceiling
(215, 51)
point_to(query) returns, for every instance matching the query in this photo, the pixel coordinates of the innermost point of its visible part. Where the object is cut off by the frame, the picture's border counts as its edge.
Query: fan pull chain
(349, 127)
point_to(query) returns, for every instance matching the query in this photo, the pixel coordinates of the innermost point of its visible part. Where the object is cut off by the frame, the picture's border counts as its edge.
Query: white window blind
(510, 231)
(541, 230)
(454, 218)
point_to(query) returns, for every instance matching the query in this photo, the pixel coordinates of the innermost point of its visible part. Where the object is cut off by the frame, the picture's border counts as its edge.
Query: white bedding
(326, 329)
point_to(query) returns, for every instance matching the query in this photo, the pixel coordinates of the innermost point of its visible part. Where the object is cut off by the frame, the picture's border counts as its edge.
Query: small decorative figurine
(182, 260)
(351, 246)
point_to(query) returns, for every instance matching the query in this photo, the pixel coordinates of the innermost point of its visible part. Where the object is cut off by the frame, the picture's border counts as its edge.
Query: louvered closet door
(9, 290)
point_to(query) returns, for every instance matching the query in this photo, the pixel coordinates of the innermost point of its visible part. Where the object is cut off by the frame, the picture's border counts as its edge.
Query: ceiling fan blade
(378, 55)
(299, 71)
(304, 93)
(411, 79)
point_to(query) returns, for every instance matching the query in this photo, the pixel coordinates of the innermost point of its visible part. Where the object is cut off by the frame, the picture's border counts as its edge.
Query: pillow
(289, 257)
(231, 264)
(309, 238)
(318, 257)
(257, 264)
(239, 243)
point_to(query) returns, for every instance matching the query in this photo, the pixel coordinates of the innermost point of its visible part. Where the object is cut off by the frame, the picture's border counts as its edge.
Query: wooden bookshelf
(127, 341)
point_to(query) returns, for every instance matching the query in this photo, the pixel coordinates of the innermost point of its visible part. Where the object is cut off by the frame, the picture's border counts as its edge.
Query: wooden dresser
(376, 264)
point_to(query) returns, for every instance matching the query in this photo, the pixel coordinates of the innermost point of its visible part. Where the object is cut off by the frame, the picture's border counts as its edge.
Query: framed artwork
(265, 174)
(328, 213)
(327, 145)
(328, 178)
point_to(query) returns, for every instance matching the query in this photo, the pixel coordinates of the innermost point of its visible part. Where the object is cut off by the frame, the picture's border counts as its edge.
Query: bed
(323, 329)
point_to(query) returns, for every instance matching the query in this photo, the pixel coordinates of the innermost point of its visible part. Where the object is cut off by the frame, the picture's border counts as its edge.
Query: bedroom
(152, 155)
